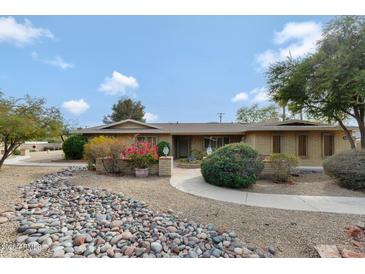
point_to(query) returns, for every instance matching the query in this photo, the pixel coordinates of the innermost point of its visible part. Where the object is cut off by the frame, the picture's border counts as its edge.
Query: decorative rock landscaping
(74, 221)
(357, 235)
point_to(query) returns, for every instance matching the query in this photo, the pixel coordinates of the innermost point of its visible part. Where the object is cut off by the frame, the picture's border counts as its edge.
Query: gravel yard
(313, 184)
(12, 177)
(292, 233)
(75, 221)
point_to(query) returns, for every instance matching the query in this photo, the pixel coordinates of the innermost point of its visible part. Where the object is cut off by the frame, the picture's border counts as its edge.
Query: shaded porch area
(184, 145)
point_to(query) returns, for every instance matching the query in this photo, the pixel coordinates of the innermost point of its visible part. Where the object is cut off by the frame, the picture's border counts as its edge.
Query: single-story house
(310, 141)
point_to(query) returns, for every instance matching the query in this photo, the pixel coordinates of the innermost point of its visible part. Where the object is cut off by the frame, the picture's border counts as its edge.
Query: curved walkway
(23, 161)
(191, 181)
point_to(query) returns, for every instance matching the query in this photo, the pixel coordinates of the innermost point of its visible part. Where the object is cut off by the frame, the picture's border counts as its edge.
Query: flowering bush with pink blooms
(142, 154)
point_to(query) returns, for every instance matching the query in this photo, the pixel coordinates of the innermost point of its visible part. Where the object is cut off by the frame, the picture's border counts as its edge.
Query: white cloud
(266, 58)
(56, 61)
(118, 84)
(295, 39)
(242, 96)
(150, 117)
(257, 95)
(21, 34)
(76, 106)
(260, 95)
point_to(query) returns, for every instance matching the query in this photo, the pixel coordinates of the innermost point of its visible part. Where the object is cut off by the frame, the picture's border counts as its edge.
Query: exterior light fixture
(209, 150)
(166, 150)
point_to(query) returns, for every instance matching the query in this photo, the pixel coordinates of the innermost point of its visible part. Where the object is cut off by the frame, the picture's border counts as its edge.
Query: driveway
(191, 181)
(42, 159)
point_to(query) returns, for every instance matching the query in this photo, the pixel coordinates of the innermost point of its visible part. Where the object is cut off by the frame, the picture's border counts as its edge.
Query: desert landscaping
(78, 216)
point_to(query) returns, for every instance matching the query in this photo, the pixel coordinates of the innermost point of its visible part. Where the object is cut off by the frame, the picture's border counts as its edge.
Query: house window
(276, 144)
(302, 145)
(149, 139)
(215, 141)
(328, 145)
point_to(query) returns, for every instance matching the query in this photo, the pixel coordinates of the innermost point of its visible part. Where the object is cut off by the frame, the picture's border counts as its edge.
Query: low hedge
(347, 168)
(234, 165)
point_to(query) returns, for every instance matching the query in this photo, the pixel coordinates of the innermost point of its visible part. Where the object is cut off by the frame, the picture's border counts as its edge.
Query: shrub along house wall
(120, 166)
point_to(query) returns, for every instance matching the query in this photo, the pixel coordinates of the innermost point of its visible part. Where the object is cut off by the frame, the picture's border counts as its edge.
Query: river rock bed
(64, 220)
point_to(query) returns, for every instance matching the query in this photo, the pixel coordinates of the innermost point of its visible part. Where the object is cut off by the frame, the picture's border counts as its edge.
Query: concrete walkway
(191, 181)
(23, 161)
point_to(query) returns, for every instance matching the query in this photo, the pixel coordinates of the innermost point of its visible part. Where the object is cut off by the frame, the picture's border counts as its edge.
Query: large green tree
(26, 119)
(126, 108)
(255, 114)
(330, 83)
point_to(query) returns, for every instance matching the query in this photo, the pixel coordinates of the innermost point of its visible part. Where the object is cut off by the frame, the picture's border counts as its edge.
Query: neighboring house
(310, 141)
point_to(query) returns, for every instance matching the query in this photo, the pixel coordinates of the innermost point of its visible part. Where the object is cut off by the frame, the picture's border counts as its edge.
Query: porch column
(165, 166)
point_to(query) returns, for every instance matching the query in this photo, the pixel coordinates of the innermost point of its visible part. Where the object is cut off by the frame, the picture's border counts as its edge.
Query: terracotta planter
(141, 172)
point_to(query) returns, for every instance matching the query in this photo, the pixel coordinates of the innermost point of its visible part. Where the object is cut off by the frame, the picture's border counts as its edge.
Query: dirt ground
(292, 233)
(11, 178)
(313, 184)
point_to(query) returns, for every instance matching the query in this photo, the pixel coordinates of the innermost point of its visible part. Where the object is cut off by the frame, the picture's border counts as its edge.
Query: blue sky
(182, 68)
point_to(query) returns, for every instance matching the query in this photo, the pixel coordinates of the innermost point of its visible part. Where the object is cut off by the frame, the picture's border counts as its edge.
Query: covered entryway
(182, 146)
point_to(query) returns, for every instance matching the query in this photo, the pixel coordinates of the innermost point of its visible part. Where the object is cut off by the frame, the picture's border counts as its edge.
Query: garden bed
(121, 166)
(183, 163)
(313, 184)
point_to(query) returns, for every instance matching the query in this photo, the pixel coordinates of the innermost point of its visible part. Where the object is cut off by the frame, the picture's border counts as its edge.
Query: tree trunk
(283, 113)
(8, 150)
(362, 135)
(348, 134)
(3, 159)
(362, 127)
(359, 116)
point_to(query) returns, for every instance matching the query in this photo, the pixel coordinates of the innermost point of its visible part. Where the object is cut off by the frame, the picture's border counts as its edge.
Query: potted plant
(142, 155)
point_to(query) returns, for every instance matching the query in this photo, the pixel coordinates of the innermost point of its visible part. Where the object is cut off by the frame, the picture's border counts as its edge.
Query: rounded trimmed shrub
(234, 165)
(347, 168)
(73, 147)
(160, 147)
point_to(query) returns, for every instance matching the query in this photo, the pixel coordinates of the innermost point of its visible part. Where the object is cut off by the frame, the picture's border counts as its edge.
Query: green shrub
(160, 147)
(197, 154)
(100, 147)
(282, 165)
(73, 147)
(234, 165)
(347, 168)
(16, 152)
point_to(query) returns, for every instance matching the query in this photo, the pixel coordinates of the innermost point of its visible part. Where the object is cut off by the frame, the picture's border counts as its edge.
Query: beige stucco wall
(263, 143)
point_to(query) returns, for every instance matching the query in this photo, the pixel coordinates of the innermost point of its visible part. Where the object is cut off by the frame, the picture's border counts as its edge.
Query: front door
(183, 145)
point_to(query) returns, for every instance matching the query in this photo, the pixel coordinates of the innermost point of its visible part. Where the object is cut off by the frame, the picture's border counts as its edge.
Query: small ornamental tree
(26, 119)
(142, 154)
